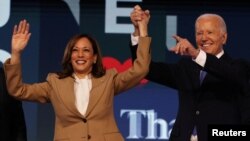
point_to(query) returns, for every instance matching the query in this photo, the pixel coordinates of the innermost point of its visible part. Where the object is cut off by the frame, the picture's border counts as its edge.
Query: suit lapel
(208, 78)
(194, 70)
(95, 94)
(67, 94)
(195, 75)
(225, 57)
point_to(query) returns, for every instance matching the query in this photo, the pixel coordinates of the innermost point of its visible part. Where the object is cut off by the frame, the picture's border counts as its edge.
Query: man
(12, 125)
(214, 98)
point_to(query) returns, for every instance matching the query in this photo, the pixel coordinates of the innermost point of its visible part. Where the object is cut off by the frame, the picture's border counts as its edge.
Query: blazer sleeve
(31, 92)
(139, 69)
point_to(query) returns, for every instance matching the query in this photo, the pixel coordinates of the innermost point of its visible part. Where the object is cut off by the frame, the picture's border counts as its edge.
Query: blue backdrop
(146, 112)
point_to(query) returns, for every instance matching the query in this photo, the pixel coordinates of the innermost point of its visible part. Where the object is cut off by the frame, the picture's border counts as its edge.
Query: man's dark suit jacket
(12, 127)
(217, 100)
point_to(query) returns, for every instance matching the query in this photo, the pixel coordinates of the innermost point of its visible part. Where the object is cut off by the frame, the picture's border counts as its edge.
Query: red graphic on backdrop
(110, 62)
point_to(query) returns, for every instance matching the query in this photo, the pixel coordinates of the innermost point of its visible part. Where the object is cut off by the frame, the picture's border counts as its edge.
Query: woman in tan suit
(82, 93)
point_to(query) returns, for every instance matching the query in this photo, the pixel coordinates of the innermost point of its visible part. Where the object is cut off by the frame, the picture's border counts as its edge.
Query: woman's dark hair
(67, 69)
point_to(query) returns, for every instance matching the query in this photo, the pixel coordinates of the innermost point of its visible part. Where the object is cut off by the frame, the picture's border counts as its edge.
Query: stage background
(146, 112)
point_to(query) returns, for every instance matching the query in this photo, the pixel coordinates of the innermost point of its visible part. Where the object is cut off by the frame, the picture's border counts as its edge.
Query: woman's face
(82, 57)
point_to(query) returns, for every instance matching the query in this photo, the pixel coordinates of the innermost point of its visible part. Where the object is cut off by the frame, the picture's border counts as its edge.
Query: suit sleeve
(139, 68)
(38, 92)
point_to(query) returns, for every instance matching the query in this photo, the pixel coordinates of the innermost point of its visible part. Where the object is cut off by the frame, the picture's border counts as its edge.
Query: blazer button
(84, 120)
(89, 137)
(197, 112)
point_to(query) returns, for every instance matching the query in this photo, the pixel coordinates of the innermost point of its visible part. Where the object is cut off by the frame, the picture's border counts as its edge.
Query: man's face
(209, 35)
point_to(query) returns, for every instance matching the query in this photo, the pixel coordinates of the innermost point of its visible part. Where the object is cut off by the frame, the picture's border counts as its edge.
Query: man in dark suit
(217, 98)
(12, 127)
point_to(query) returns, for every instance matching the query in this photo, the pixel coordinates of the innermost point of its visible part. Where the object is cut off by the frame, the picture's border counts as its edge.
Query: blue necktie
(202, 75)
(194, 131)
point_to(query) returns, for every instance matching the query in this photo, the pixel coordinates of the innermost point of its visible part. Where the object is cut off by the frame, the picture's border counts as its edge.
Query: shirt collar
(220, 54)
(77, 79)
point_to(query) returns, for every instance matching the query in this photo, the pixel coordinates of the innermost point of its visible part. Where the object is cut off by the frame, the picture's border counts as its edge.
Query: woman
(82, 94)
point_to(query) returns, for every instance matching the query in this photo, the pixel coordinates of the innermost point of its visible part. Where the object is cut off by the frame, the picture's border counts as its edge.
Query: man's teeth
(205, 45)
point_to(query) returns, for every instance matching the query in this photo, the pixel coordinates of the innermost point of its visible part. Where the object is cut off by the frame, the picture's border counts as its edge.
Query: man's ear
(224, 38)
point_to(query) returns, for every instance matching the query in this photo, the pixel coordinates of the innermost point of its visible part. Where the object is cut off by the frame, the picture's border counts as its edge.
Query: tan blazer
(99, 123)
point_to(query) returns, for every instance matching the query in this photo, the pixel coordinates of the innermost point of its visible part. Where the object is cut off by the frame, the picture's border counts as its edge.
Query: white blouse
(82, 89)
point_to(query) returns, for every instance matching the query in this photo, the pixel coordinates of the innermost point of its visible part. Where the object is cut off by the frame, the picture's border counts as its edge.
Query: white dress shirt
(82, 89)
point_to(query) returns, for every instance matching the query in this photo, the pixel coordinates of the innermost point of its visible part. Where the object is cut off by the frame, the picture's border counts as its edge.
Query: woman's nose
(80, 54)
